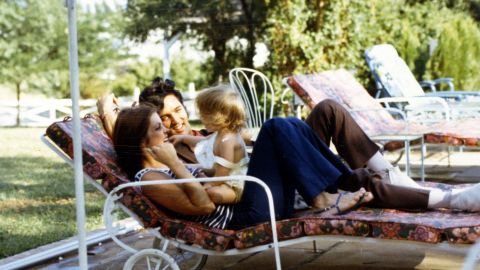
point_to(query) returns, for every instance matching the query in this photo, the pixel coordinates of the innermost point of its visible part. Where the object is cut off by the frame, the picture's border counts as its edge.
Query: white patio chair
(257, 94)
(394, 79)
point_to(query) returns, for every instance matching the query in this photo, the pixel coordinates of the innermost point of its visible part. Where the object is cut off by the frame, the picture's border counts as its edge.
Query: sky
(91, 3)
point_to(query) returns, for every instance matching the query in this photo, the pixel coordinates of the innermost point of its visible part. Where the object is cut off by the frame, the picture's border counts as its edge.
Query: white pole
(77, 143)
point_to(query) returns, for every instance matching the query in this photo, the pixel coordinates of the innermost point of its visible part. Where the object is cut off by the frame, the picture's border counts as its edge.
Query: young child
(223, 152)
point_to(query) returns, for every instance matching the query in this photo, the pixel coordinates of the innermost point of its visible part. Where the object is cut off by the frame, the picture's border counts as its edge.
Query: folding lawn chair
(101, 170)
(393, 78)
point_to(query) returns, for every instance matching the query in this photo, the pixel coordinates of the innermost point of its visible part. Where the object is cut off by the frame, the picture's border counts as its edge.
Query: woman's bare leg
(347, 200)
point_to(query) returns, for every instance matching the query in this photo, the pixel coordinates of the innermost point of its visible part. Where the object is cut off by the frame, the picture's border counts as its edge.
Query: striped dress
(217, 219)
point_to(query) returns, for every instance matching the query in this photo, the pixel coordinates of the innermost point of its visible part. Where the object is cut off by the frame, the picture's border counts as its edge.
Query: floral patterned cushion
(196, 234)
(342, 87)
(425, 226)
(262, 233)
(99, 163)
(338, 226)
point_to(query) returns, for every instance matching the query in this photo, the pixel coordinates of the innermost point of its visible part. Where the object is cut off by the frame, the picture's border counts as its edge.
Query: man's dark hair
(155, 93)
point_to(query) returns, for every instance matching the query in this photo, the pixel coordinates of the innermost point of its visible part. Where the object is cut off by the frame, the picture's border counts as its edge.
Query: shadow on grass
(36, 178)
(37, 203)
(44, 223)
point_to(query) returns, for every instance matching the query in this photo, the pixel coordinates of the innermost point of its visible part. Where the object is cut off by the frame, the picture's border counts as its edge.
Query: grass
(37, 194)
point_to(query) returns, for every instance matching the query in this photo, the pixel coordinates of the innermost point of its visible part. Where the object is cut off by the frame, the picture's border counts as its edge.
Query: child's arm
(189, 140)
(221, 194)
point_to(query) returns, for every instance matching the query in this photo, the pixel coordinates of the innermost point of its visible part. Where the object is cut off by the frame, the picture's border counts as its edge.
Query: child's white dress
(206, 158)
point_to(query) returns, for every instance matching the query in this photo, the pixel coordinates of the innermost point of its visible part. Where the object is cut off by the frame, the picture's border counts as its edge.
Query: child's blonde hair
(221, 107)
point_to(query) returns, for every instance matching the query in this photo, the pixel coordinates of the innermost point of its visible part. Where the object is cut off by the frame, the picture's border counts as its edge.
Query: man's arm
(108, 108)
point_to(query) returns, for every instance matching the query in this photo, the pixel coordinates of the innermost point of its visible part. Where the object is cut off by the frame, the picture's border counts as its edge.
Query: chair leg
(449, 149)
(423, 151)
(407, 152)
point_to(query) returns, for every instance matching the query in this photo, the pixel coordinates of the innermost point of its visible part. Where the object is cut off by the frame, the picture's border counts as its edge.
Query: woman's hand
(164, 153)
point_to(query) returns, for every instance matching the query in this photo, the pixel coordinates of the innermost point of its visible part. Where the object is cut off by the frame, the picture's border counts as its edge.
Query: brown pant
(333, 123)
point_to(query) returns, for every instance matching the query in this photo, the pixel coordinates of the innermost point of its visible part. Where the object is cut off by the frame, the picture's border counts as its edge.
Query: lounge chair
(393, 78)
(341, 86)
(101, 169)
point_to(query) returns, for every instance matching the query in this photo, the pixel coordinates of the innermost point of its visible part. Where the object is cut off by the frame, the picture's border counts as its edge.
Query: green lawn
(37, 194)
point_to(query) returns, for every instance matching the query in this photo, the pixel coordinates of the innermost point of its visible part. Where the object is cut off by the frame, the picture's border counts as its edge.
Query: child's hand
(188, 140)
(176, 139)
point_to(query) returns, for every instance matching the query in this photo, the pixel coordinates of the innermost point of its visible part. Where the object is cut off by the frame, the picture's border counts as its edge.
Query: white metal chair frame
(249, 83)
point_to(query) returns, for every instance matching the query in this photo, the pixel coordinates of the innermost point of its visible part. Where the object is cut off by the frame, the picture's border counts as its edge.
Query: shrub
(458, 53)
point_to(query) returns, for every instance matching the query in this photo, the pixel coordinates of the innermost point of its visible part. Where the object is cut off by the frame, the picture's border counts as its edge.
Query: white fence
(38, 113)
(42, 113)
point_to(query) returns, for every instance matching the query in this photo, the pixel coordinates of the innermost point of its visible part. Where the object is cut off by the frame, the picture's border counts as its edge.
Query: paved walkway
(361, 253)
(331, 253)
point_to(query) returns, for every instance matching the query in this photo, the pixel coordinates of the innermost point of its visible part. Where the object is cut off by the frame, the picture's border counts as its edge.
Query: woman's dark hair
(155, 93)
(130, 131)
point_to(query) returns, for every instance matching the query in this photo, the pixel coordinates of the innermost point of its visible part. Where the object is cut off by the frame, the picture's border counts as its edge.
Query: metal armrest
(390, 110)
(431, 84)
(444, 105)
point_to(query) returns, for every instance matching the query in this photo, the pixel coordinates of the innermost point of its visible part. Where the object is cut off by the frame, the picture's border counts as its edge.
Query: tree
(140, 74)
(312, 36)
(213, 23)
(25, 28)
(459, 60)
(34, 46)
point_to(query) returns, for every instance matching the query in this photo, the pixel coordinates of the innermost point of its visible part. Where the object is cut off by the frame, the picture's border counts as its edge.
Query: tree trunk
(17, 84)
(319, 5)
(219, 63)
(250, 53)
(220, 48)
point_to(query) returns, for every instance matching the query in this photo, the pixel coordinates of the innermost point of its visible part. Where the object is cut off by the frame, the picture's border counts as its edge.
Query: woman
(145, 154)
(287, 156)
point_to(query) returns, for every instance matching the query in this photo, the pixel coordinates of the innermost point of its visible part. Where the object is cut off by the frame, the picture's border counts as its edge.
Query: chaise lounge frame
(113, 202)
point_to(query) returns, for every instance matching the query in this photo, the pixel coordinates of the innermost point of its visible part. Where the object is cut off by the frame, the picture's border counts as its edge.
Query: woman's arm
(175, 197)
(165, 153)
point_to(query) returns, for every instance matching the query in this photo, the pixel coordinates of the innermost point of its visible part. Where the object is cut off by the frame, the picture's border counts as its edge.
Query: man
(331, 122)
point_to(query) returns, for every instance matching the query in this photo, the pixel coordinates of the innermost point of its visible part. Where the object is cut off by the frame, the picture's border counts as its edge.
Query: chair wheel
(151, 259)
(185, 259)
